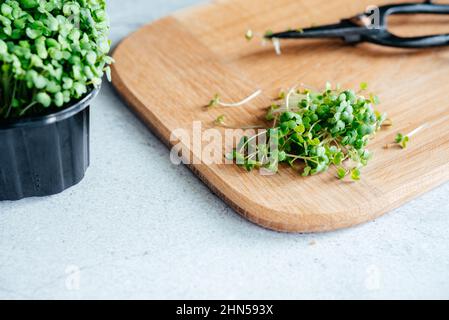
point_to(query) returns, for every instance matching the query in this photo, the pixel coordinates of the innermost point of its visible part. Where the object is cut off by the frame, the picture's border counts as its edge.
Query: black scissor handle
(390, 40)
(411, 8)
(384, 37)
(361, 29)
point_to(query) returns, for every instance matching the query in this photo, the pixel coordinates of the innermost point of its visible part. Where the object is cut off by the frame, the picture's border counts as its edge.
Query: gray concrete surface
(140, 227)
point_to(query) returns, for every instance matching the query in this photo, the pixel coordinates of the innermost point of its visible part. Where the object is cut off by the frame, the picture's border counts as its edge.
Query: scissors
(374, 29)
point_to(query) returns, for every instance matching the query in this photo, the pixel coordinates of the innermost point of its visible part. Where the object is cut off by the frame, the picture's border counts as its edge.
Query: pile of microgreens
(319, 130)
(51, 53)
(401, 140)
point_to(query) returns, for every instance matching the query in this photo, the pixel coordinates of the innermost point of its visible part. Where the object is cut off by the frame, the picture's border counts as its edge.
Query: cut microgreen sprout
(216, 101)
(221, 120)
(320, 129)
(403, 140)
(250, 35)
(363, 87)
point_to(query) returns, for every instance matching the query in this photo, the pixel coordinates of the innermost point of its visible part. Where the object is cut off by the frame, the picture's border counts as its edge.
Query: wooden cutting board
(168, 70)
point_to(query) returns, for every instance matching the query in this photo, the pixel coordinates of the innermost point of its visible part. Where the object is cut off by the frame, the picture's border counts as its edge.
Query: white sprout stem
(277, 46)
(28, 108)
(241, 103)
(287, 99)
(251, 139)
(418, 130)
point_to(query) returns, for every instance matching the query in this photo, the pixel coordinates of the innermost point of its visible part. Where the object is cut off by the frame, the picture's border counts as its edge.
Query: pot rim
(58, 116)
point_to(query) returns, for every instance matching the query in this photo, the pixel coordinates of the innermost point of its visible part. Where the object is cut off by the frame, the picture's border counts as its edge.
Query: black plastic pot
(45, 155)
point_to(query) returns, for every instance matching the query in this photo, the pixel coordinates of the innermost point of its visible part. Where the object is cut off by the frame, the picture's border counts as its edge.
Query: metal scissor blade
(344, 29)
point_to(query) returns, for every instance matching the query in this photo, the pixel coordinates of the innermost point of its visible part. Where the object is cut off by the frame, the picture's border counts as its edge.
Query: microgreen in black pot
(53, 55)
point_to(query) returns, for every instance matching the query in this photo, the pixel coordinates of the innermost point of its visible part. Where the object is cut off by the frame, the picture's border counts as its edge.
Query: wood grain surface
(168, 70)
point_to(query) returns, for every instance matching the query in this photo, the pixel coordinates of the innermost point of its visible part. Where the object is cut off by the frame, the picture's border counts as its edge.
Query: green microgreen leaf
(307, 171)
(355, 174)
(221, 120)
(342, 173)
(281, 95)
(269, 33)
(405, 142)
(374, 99)
(214, 101)
(401, 140)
